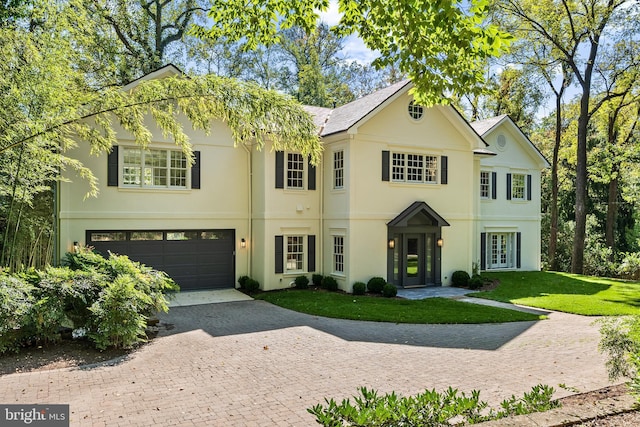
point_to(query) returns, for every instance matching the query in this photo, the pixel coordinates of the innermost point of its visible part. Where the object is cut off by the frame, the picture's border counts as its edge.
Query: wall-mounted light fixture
(439, 242)
(391, 243)
(243, 243)
(76, 247)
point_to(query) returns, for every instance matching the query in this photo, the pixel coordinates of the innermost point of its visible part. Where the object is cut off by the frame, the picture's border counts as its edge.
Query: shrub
(16, 303)
(316, 279)
(376, 284)
(329, 283)
(118, 318)
(359, 288)
(251, 285)
(475, 282)
(460, 279)
(629, 267)
(302, 282)
(242, 281)
(620, 339)
(389, 290)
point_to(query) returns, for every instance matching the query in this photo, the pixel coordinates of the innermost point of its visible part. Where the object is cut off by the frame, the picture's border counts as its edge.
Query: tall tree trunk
(553, 232)
(612, 211)
(577, 256)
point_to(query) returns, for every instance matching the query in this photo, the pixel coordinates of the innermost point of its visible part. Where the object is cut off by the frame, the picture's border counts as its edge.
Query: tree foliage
(441, 46)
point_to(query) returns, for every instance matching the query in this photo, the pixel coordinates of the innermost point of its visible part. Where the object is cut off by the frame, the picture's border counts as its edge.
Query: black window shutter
(528, 187)
(195, 171)
(311, 253)
(112, 167)
(385, 166)
(279, 254)
(444, 165)
(311, 184)
(494, 185)
(279, 169)
(508, 186)
(483, 251)
(518, 250)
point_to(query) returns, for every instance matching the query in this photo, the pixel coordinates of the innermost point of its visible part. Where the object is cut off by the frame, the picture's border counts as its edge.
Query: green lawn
(571, 293)
(431, 310)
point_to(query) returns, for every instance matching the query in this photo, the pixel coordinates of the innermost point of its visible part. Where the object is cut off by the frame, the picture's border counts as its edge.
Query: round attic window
(415, 111)
(502, 142)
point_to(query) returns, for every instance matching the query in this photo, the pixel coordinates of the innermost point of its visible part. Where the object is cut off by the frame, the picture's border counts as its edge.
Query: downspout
(321, 166)
(249, 207)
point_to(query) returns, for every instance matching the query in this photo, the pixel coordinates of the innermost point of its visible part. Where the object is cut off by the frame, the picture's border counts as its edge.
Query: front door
(413, 254)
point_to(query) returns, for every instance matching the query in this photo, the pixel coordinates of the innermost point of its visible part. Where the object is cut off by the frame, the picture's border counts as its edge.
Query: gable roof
(483, 127)
(343, 118)
(418, 208)
(165, 71)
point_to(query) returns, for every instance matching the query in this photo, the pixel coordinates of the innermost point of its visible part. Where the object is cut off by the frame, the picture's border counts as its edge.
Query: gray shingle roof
(484, 126)
(344, 117)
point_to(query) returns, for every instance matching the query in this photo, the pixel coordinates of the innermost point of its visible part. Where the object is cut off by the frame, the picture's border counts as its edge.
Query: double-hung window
(154, 168)
(338, 254)
(414, 168)
(485, 184)
(338, 169)
(518, 186)
(295, 171)
(295, 254)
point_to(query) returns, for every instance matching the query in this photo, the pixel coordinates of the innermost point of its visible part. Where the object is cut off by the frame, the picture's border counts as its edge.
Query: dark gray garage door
(195, 259)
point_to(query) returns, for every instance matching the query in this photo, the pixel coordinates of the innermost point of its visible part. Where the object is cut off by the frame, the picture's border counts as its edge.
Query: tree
(440, 46)
(576, 32)
(50, 103)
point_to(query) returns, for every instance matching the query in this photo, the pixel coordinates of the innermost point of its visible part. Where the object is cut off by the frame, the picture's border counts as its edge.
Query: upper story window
(414, 168)
(485, 184)
(338, 169)
(416, 111)
(518, 186)
(295, 171)
(154, 168)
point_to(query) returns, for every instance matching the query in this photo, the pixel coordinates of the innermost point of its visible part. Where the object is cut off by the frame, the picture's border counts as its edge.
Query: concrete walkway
(248, 363)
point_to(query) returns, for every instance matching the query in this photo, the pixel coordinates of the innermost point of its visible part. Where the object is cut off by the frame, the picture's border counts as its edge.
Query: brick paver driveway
(250, 363)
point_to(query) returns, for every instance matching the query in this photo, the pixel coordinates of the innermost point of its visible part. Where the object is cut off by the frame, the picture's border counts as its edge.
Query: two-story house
(402, 191)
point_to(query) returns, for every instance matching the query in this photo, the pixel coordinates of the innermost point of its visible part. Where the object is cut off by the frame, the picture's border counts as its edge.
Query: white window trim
(143, 153)
(524, 187)
(405, 168)
(415, 109)
(335, 271)
(303, 243)
(286, 172)
(342, 169)
(489, 185)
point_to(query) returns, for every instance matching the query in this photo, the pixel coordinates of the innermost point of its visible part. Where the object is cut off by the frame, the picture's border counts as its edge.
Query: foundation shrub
(376, 284)
(252, 285)
(460, 279)
(389, 291)
(302, 282)
(330, 284)
(16, 303)
(242, 281)
(476, 282)
(359, 288)
(316, 279)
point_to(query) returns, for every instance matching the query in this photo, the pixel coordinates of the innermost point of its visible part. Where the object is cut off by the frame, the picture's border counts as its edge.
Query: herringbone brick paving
(252, 364)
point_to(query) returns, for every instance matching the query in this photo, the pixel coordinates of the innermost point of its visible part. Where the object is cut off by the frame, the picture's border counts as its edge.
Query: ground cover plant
(570, 293)
(376, 308)
(430, 408)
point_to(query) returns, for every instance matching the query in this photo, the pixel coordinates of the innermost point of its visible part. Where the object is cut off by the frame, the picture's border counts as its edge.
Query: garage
(195, 259)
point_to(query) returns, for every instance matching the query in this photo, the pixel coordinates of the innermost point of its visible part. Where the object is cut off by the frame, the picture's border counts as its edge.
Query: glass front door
(413, 268)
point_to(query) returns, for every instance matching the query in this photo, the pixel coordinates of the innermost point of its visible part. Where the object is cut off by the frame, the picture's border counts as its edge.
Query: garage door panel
(193, 264)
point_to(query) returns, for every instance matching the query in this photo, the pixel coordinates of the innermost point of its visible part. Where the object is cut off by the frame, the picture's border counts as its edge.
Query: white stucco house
(408, 193)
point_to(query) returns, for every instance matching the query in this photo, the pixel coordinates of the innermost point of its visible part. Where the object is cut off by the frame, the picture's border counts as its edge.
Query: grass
(378, 309)
(570, 293)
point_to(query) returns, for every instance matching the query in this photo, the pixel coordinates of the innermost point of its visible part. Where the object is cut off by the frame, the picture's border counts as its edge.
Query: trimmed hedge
(376, 284)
